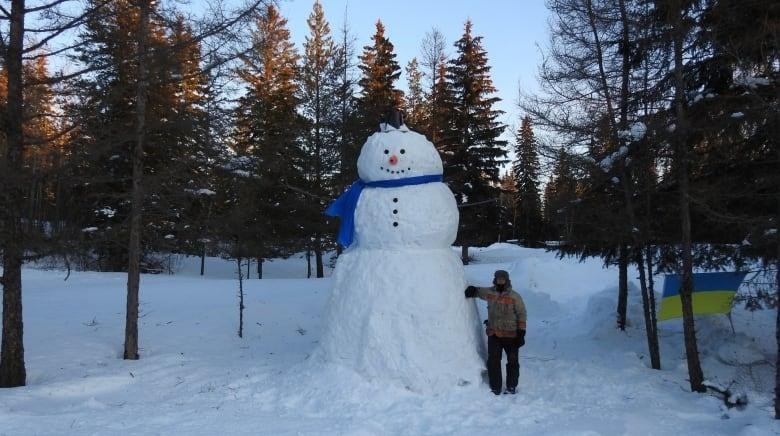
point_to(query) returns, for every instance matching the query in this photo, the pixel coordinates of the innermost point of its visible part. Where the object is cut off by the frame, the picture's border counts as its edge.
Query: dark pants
(496, 346)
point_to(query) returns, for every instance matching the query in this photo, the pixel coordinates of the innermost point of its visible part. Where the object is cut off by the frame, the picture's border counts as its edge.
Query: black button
(395, 210)
(395, 200)
(395, 224)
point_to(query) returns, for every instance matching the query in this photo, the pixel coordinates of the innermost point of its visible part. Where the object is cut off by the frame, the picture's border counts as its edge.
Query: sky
(512, 33)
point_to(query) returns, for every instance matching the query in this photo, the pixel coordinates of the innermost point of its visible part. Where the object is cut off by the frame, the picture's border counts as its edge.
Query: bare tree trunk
(260, 268)
(651, 288)
(651, 328)
(308, 263)
(622, 307)
(695, 374)
(134, 248)
(203, 259)
(318, 257)
(777, 325)
(12, 369)
(248, 265)
(240, 298)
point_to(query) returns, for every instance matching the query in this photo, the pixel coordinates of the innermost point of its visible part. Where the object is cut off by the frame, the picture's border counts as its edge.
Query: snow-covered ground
(579, 375)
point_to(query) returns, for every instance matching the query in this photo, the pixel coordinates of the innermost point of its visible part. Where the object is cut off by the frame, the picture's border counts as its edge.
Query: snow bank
(579, 375)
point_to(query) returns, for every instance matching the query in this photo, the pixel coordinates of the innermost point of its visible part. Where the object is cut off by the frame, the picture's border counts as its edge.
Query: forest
(131, 129)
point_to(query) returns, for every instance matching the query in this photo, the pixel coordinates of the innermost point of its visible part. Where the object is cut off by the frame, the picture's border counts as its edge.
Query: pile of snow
(609, 161)
(635, 132)
(752, 82)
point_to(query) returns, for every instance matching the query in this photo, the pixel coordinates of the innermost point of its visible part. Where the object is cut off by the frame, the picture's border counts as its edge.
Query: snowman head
(396, 154)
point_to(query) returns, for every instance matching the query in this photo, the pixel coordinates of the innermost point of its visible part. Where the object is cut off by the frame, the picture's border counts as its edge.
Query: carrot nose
(393, 160)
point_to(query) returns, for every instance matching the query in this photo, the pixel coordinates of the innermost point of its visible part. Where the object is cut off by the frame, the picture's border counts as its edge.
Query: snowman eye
(403, 151)
(387, 151)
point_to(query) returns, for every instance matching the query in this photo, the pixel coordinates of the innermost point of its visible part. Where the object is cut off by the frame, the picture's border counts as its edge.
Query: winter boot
(510, 391)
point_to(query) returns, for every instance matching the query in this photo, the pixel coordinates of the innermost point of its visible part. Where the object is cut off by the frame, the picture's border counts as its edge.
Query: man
(505, 329)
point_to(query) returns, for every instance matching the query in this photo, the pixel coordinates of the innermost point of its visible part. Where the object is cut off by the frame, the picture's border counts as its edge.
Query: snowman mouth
(391, 171)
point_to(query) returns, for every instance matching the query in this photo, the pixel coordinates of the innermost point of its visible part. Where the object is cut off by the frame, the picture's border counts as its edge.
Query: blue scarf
(344, 206)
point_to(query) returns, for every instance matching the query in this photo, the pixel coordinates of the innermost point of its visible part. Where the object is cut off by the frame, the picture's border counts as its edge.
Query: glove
(471, 292)
(520, 337)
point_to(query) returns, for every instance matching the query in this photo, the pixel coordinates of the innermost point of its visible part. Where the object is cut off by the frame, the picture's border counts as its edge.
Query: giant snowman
(397, 312)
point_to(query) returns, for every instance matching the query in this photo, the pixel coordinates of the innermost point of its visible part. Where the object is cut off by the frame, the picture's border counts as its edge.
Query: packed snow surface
(579, 375)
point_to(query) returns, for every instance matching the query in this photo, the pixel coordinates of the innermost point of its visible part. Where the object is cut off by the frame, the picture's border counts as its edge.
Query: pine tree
(725, 147)
(43, 152)
(320, 79)
(441, 122)
(526, 174)
(560, 195)
(101, 146)
(179, 120)
(187, 121)
(12, 241)
(30, 154)
(380, 71)
(413, 103)
(269, 130)
(474, 165)
(350, 137)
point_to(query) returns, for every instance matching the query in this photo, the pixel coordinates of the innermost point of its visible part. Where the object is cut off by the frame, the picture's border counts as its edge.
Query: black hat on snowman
(393, 120)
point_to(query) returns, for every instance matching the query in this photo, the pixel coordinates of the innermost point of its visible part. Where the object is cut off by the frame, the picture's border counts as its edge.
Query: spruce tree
(560, 195)
(347, 124)
(320, 82)
(526, 176)
(441, 122)
(379, 70)
(269, 129)
(179, 120)
(473, 168)
(413, 103)
(102, 146)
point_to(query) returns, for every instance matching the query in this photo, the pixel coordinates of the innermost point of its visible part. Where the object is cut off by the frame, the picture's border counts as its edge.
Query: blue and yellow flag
(712, 293)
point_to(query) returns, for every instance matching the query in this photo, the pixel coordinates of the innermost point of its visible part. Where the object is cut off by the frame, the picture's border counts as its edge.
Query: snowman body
(397, 309)
(418, 216)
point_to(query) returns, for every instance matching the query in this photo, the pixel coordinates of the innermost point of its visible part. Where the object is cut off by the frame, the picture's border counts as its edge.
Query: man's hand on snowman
(471, 292)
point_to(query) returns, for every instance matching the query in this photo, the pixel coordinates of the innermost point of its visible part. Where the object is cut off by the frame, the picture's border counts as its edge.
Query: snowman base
(401, 316)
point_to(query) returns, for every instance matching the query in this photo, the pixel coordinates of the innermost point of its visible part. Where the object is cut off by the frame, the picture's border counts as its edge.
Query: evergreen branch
(477, 203)
(303, 191)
